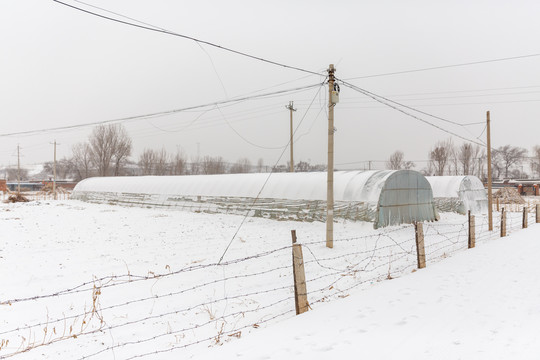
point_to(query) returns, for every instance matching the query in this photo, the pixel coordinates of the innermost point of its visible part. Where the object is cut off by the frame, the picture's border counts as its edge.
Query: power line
(444, 66)
(374, 96)
(157, 114)
(243, 138)
(456, 96)
(267, 179)
(473, 90)
(450, 104)
(388, 102)
(163, 31)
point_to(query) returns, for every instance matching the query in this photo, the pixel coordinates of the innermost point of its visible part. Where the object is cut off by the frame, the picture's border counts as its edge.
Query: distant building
(524, 187)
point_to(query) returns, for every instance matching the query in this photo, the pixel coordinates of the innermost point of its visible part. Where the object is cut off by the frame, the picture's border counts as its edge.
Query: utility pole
(291, 108)
(330, 176)
(54, 172)
(490, 200)
(18, 171)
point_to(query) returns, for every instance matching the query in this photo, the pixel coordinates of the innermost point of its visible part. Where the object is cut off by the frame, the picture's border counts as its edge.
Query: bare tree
(439, 157)
(179, 163)
(465, 156)
(260, 165)
(479, 162)
(146, 162)
(195, 165)
(535, 160)
(110, 146)
(161, 164)
(397, 162)
(121, 150)
(243, 165)
(213, 165)
(82, 160)
(12, 174)
(508, 156)
(301, 166)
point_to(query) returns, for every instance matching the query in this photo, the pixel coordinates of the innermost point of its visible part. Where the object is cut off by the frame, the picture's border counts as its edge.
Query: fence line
(361, 261)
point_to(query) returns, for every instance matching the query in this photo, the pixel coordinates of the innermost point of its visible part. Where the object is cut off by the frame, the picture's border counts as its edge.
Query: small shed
(382, 197)
(459, 194)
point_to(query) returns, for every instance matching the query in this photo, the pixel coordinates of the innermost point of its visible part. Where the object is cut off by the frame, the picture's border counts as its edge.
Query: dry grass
(73, 330)
(15, 198)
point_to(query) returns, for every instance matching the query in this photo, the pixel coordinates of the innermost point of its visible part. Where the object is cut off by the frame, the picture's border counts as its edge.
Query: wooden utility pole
(18, 171)
(291, 108)
(490, 194)
(54, 172)
(330, 174)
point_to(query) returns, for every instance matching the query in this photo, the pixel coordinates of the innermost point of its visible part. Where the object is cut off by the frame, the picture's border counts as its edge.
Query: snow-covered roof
(348, 185)
(392, 196)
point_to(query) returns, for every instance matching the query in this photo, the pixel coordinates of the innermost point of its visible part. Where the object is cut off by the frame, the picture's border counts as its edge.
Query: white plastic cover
(395, 196)
(459, 194)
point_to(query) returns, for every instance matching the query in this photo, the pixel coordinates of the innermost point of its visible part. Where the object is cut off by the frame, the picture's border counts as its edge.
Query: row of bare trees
(107, 153)
(104, 154)
(445, 158)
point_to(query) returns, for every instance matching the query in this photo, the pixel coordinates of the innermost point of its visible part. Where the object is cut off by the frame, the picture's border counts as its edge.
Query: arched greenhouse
(459, 194)
(382, 197)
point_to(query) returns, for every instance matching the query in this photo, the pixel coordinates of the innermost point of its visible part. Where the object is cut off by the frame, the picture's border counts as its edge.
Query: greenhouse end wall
(459, 194)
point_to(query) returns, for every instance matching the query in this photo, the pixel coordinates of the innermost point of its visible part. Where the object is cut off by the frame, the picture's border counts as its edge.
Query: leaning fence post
(503, 222)
(300, 289)
(537, 213)
(472, 235)
(524, 223)
(420, 250)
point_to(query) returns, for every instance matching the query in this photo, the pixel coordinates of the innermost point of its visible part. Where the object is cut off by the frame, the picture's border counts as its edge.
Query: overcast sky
(61, 67)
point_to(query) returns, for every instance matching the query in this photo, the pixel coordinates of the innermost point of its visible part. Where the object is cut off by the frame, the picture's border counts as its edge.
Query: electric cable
(267, 179)
(163, 31)
(388, 102)
(157, 114)
(445, 66)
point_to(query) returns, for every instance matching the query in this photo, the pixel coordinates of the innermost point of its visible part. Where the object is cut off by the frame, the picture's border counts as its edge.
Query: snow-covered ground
(88, 281)
(478, 304)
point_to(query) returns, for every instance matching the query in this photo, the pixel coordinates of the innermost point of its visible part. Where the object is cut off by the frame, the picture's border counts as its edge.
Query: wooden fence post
(503, 222)
(524, 223)
(472, 234)
(497, 204)
(420, 250)
(300, 289)
(537, 213)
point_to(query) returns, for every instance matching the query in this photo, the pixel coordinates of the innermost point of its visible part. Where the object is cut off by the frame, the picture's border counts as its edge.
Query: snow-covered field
(88, 281)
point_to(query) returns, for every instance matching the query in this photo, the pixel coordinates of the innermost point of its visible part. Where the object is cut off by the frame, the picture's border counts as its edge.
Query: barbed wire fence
(207, 304)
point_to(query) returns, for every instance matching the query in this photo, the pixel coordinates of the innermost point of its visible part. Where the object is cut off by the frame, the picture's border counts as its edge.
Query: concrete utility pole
(330, 176)
(490, 200)
(18, 171)
(291, 108)
(54, 172)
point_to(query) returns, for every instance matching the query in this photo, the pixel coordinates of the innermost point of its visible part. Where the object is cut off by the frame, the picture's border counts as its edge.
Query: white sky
(61, 67)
